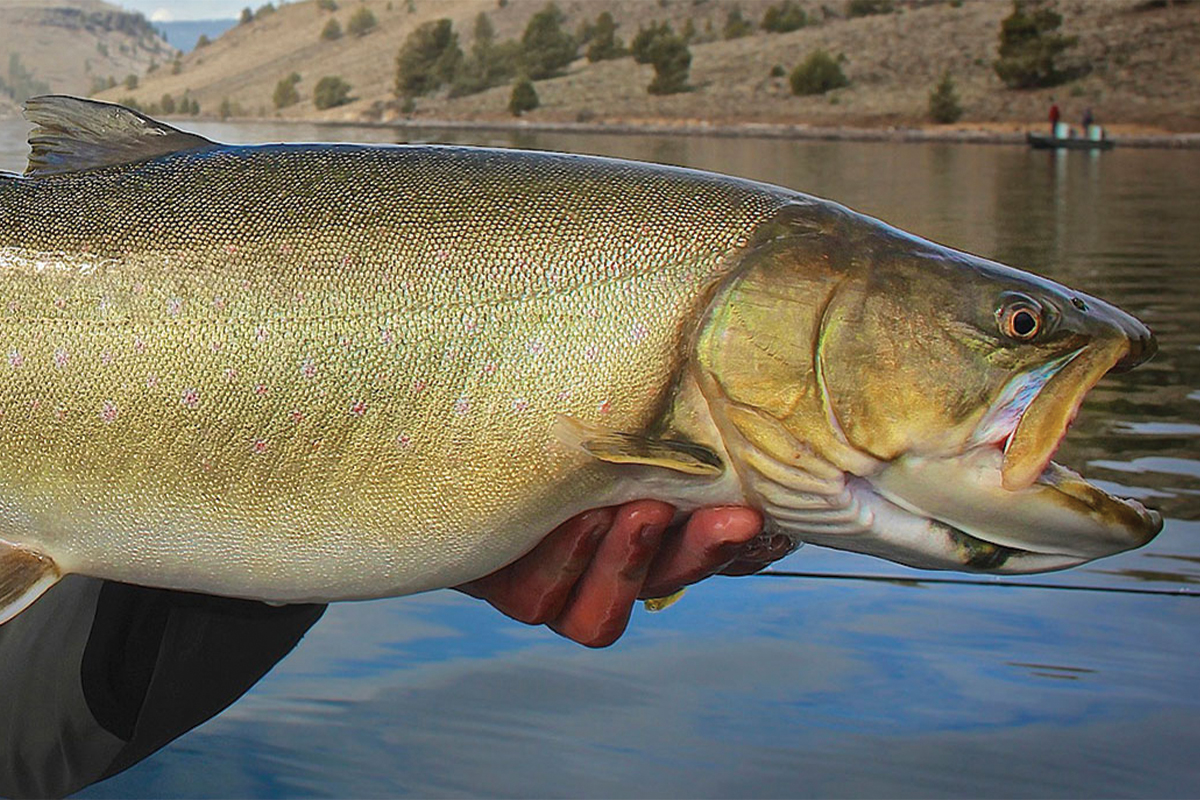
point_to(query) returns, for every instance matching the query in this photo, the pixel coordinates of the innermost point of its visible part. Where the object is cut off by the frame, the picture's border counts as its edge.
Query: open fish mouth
(1005, 490)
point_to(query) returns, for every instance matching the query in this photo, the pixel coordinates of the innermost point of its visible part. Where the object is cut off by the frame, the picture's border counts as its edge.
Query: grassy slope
(1145, 65)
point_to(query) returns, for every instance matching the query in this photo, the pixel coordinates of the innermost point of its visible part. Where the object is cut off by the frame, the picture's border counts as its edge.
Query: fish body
(320, 372)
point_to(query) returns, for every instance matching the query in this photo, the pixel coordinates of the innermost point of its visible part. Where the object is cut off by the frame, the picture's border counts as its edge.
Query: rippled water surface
(803, 686)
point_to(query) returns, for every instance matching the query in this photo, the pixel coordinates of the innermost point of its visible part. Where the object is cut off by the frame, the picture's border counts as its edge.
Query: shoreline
(988, 133)
(980, 133)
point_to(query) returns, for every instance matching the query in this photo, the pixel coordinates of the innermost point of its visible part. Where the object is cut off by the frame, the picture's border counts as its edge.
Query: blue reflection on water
(759, 687)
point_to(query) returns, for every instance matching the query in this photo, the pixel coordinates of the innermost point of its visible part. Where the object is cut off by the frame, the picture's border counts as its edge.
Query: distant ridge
(183, 34)
(73, 47)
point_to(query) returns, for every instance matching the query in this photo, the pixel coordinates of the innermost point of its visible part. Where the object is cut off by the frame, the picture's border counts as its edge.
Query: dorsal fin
(75, 134)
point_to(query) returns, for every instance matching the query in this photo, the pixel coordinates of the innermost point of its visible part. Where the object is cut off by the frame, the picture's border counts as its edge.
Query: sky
(170, 10)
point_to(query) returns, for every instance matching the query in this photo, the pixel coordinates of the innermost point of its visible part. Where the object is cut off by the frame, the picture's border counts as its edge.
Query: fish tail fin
(25, 574)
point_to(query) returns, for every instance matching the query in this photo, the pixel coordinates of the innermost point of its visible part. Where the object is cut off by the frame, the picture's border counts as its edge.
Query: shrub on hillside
(285, 91)
(167, 104)
(203, 41)
(817, 74)
(737, 26)
(785, 17)
(605, 44)
(429, 58)
(1029, 47)
(671, 59)
(523, 98)
(865, 8)
(331, 91)
(327, 5)
(361, 22)
(488, 64)
(644, 39)
(331, 31)
(943, 101)
(545, 47)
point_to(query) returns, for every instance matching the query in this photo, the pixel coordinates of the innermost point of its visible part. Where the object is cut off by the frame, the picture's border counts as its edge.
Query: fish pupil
(1024, 323)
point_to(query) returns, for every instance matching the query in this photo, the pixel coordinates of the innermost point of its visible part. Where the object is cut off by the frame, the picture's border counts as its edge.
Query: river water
(1079, 683)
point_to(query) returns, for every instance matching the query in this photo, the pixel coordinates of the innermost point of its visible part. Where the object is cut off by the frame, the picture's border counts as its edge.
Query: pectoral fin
(24, 575)
(628, 448)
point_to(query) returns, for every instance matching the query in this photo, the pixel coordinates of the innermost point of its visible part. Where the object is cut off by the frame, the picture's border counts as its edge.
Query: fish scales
(323, 371)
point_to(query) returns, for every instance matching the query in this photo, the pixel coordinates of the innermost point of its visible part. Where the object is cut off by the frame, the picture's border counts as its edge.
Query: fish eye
(1020, 319)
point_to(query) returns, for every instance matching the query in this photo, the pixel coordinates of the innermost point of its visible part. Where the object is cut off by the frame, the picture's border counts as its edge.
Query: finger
(711, 538)
(534, 588)
(760, 553)
(598, 611)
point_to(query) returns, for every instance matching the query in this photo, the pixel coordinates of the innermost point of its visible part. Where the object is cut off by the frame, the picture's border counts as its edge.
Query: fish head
(938, 385)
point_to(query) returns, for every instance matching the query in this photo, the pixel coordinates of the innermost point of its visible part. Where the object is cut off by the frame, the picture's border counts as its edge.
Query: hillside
(71, 46)
(1143, 60)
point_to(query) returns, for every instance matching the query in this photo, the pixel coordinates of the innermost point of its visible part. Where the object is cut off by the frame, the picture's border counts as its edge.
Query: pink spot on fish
(297, 416)
(358, 409)
(386, 336)
(245, 284)
(139, 288)
(639, 332)
(308, 369)
(13, 306)
(520, 405)
(138, 344)
(215, 346)
(106, 358)
(190, 398)
(260, 446)
(260, 334)
(219, 303)
(403, 440)
(462, 406)
(605, 407)
(108, 411)
(15, 359)
(591, 354)
(347, 260)
(536, 347)
(260, 389)
(61, 357)
(470, 326)
(231, 374)
(174, 306)
(298, 298)
(231, 249)
(419, 386)
(151, 381)
(489, 368)
(285, 248)
(60, 302)
(344, 341)
(565, 394)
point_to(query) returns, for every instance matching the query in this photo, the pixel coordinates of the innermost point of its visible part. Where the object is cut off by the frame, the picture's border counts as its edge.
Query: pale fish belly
(295, 414)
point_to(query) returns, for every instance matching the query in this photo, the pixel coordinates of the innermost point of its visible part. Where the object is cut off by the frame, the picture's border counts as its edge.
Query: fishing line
(779, 573)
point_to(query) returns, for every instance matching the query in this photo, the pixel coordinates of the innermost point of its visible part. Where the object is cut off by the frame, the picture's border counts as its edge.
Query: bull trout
(327, 372)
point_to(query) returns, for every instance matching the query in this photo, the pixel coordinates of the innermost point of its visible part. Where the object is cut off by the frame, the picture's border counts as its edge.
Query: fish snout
(1105, 321)
(1142, 346)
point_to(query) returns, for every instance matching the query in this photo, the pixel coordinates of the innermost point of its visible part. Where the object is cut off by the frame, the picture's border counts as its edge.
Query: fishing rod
(848, 576)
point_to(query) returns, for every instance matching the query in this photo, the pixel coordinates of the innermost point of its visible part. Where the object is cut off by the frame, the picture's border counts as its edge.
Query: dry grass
(1145, 65)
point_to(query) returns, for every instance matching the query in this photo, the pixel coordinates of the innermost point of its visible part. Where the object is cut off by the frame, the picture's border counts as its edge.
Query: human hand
(582, 579)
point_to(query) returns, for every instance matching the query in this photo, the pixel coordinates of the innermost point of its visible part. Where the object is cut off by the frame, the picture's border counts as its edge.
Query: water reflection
(96, 676)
